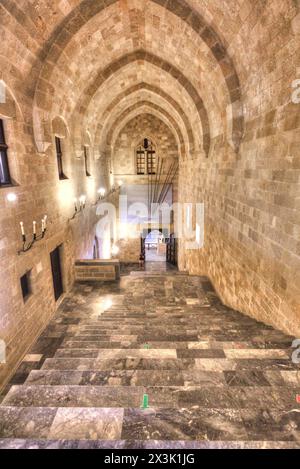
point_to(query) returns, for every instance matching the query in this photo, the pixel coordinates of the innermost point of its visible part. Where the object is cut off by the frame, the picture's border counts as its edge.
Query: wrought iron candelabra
(79, 206)
(27, 245)
(103, 195)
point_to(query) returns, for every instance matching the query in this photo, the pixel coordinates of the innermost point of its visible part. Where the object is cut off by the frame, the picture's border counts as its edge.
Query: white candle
(22, 228)
(45, 221)
(82, 201)
(43, 225)
(34, 227)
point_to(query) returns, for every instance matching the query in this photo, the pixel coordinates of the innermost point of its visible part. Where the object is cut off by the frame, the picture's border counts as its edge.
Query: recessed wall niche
(25, 282)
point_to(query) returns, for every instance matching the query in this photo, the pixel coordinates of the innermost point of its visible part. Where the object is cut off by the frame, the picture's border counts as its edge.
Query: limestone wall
(251, 251)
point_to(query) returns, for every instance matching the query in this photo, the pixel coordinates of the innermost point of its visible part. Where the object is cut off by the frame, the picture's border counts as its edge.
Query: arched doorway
(154, 246)
(96, 249)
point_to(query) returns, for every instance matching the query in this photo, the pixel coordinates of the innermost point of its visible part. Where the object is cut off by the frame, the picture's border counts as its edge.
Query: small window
(25, 286)
(140, 161)
(86, 161)
(151, 162)
(59, 156)
(5, 179)
(146, 158)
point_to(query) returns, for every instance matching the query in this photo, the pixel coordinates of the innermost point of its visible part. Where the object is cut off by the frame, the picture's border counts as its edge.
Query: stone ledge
(97, 270)
(97, 262)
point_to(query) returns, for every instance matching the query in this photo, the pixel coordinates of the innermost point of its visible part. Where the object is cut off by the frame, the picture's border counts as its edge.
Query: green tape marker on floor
(145, 404)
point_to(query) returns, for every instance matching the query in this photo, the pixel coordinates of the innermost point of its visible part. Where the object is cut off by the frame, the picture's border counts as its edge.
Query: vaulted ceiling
(95, 62)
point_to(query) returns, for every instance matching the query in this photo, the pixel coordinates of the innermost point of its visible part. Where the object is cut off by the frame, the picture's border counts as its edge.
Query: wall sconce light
(120, 183)
(11, 197)
(35, 237)
(104, 195)
(102, 192)
(107, 304)
(82, 201)
(101, 195)
(79, 206)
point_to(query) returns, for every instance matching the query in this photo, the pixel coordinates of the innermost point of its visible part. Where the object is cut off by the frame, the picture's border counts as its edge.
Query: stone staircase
(213, 378)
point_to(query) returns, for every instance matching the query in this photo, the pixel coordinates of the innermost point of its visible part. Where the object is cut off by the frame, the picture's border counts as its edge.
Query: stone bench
(97, 270)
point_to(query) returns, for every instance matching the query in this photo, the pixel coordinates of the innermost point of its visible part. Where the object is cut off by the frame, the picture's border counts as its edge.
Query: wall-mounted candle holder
(79, 206)
(103, 195)
(27, 245)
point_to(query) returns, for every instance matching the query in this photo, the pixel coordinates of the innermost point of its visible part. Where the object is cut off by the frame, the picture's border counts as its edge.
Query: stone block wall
(251, 250)
(39, 192)
(130, 250)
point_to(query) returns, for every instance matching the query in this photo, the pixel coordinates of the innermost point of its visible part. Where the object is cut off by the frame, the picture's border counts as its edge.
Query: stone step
(164, 378)
(72, 350)
(121, 353)
(88, 364)
(125, 345)
(176, 427)
(255, 343)
(130, 377)
(215, 335)
(172, 311)
(126, 338)
(139, 330)
(101, 323)
(92, 349)
(210, 424)
(226, 397)
(160, 353)
(132, 330)
(74, 396)
(195, 320)
(102, 326)
(11, 443)
(190, 316)
(117, 378)
(114, 354)
(240, 334)
(194, 314)
(96, 338)
(200, 364)
(61, 423)
(161, 337)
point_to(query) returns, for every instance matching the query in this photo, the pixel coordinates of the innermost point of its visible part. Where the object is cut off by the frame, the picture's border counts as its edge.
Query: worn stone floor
(213, 377)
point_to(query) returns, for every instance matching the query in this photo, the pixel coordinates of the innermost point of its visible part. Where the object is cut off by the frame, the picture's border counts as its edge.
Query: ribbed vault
(142, 108)
(137, 95)
(97, 40)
